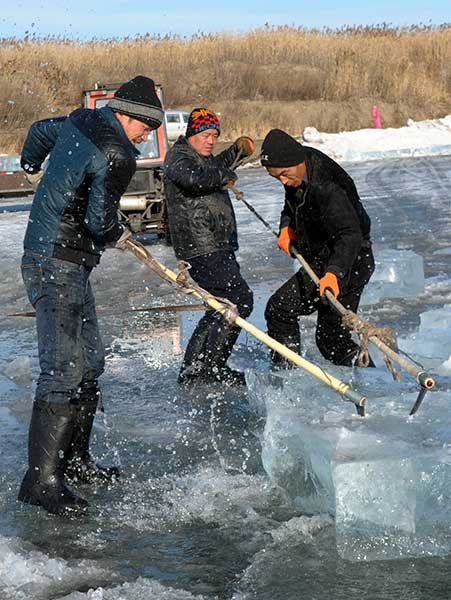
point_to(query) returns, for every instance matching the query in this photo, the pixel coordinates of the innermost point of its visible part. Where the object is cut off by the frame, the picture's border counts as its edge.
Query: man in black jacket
(73, 218)
(324, 218)
(203, 232)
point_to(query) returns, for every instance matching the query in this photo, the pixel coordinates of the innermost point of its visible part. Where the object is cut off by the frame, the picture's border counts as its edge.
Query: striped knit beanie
(138, 99)
(201, 119)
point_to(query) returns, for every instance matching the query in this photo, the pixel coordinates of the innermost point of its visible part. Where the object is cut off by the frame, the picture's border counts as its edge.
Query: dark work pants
(300, 296)
(70, 347)
(219, 274)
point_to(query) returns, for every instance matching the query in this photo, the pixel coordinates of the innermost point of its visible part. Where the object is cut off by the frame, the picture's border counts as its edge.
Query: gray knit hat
(138, 99)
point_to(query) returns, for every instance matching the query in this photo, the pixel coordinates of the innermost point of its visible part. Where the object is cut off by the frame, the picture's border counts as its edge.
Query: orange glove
(246, 145)
(329, 282)
(286, 236)
(230, 183)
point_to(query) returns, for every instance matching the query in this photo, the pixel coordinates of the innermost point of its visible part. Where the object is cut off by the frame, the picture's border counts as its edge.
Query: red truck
(142, 207)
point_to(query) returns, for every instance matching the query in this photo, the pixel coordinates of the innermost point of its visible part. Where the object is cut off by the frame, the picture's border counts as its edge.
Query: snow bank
(417, 138)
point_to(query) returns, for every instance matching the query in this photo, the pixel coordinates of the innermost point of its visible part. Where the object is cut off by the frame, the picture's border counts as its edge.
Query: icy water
(195, 515)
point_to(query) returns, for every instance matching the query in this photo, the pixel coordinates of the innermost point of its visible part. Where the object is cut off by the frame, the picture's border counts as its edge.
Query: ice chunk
(19, 370)
(429, 349)
(26, 572)
(438, 318)
(386, 477)
(398, 274)
(431, 344)
(141, 589)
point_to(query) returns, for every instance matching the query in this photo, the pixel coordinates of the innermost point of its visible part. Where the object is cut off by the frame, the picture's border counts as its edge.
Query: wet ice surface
(196, 515)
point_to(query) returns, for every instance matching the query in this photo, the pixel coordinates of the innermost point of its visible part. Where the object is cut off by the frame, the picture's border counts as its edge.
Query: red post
(377, 117)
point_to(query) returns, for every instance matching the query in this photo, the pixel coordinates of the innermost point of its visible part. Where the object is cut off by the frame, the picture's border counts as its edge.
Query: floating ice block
(386, 477)
(398, 274)
(431, 344)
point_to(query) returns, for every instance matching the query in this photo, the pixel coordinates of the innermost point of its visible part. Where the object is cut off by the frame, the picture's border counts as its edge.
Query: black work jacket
(200, 214)
(331, 224)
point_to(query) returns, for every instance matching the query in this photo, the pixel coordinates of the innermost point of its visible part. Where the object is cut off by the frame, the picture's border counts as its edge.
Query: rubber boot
(80, 466)
(193, 361)
(50, 433)
(221, 340)
(293, 342)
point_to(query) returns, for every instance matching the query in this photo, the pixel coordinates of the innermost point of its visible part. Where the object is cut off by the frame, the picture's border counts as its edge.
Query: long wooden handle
(420, 375)
(342, 388)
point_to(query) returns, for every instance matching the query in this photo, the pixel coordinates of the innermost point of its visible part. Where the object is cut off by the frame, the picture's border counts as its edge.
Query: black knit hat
(281, 150)
(138, 99)
(201, 119)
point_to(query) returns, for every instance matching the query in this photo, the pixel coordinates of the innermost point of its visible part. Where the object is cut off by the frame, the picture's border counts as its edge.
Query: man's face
(290, 176)
(135, 130)
(204, 142)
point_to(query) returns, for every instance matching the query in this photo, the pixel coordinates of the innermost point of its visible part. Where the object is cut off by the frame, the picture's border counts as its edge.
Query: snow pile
(417, 138)
(386, 478)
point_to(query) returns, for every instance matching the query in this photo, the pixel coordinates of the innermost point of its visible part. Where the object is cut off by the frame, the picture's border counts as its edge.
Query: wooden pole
(342, 388)
(422, 377)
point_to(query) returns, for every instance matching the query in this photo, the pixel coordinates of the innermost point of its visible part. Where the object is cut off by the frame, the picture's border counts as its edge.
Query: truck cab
(142, 207)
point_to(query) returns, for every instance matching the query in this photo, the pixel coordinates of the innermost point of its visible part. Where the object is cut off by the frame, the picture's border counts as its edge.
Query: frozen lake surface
(214, 501)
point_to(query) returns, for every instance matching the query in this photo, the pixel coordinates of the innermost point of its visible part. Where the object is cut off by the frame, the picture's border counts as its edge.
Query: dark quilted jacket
(200, 213)
(74, 211)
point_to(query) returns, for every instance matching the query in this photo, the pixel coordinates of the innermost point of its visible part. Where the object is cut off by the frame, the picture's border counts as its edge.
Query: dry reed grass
(271, 77)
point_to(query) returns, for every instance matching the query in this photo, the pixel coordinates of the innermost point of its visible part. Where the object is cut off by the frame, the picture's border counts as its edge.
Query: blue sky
(118, 18)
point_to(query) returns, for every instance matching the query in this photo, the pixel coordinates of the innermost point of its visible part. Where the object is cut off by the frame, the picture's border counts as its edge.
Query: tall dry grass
(271, 77)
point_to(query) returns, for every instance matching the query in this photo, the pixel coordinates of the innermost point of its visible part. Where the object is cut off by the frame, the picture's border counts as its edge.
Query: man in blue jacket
(72, 219)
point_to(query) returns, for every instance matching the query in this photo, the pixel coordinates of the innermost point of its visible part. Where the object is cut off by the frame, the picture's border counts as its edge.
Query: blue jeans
(69, 344)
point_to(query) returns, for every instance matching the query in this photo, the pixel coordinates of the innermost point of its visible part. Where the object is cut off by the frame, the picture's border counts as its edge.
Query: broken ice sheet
(398, 274)
(386, 477)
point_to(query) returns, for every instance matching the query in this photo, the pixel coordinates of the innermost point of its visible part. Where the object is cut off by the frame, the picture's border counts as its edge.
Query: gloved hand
(34, 179)
(286, 236)
(246, 145)
(120, 243)
(329, 282)
(230, 183)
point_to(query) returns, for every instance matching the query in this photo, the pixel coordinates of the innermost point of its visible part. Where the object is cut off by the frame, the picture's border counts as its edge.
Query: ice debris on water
(398, 274)
(141, 589)
(26, 572)
(19, 370)
(431, 344)
(386, 478)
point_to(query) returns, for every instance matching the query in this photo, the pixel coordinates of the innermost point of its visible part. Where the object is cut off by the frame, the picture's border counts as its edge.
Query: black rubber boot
(193, 361)
(293, 342)
(50, 433)
(220, 342)
(80, 466)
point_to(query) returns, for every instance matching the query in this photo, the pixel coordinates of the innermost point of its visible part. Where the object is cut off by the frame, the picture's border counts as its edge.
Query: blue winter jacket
(74, 211)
